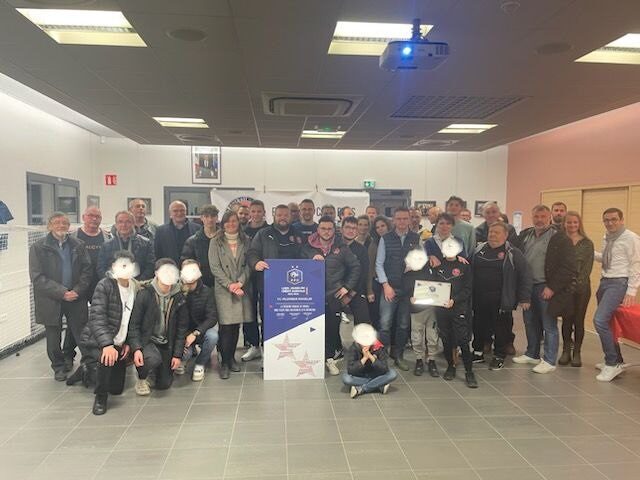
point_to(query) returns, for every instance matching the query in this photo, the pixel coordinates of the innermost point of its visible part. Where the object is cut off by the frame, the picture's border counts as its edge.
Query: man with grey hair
(143, 226)
(60, 271)
(432, 216)
(491, 213)
(171, 237)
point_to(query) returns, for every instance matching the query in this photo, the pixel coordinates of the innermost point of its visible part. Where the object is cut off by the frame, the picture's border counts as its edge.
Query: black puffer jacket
(146, 313)
(201, 304)
(142, 250)
(197, 248)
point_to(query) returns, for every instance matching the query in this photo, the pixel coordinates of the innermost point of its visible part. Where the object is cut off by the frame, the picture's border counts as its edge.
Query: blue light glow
(406, 51)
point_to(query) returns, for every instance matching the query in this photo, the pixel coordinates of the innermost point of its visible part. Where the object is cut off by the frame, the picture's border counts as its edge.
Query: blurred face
(282, 219)
(307, 210)
(347, 212)
(349, 231)
(497, 237)
(243, 214)
(232, 225)
(491, 214)
(326, 231)
(363, 227)
(178, 212)
(138, 208)
(541, 219)
(454, 208)
(91, 218)
(558, 212)
(401, 221)
(256, 213)
(432, 214)
(209, 221)
(612, 222)
(381, 228)
(465, 215)
(59, 227)
(415, 218)
(124, 225)
(371, 213)
(444, 228)
(294, 211)
(329, 211)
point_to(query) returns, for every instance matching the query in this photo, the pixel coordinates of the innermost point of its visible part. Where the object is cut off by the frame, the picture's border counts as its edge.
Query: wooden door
(594, 202)
(571, 198)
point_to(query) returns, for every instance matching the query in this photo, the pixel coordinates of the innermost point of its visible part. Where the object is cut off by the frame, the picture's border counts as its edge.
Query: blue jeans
(207, 342)
(610, 295)
(396, 311)
(537, 321)
(369, 384)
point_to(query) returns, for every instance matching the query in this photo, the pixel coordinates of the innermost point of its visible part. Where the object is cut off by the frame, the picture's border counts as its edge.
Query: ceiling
(257, 46)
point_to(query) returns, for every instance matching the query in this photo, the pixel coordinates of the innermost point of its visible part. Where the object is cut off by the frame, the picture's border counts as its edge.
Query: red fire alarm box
(111, 180)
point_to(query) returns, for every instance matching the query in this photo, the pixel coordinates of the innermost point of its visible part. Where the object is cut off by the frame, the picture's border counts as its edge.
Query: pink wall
(598, 150)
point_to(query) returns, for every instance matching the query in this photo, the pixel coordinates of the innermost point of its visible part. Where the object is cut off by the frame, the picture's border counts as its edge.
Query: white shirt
(127, 297)
(625, 260)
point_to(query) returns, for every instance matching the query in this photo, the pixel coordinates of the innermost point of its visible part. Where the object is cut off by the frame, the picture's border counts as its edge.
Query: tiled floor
(517, 425)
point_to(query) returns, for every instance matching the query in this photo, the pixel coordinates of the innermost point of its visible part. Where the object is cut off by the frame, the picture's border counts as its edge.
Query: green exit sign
(369, 183)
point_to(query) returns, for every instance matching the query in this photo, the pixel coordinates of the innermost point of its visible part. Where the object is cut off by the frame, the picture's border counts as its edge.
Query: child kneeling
(367, 368)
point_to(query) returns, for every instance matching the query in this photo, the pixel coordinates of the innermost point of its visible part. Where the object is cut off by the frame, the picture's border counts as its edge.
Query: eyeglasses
(610, 220)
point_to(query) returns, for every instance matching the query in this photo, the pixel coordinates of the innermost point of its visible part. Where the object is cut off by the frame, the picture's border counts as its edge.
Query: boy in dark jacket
(106, 333)
(367, 368)
(158, 327)
(342, 272)
(453, 325)
(203, 316)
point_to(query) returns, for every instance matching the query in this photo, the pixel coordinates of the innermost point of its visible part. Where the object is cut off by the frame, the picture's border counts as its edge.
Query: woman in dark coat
(227, 258)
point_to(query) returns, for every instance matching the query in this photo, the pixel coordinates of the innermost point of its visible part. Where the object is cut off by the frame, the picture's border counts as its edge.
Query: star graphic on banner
(305, 366)
(286, 348)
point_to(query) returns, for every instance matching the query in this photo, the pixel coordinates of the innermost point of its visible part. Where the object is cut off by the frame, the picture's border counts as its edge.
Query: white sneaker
(355, 391)
(384, 389)
(525, 359)
(600, 366)
(332, 367)
(198, 373)
(543, 367)
(608, 373)
(142, 387)
(251, 353)
(180, 370)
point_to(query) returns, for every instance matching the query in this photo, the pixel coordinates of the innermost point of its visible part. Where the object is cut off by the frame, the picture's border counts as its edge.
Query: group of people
(158, 296)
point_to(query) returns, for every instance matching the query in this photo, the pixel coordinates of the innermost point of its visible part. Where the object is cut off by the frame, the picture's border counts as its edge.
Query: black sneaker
(496, 363)
(60, 375)
(76, 376)
(68, 364)
(433, 368)
(478, 357)
(450, 374)
(470, 379)
(100, 405)
(419, 368)
(235, 367)
(224, 372)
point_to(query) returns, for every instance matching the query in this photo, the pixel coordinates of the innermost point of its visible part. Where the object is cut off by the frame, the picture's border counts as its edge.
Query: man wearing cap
(197, 245)
(367, 367)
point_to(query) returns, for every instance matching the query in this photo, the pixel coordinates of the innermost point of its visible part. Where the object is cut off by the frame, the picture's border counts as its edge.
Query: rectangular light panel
(473, 128)
(322, 134)
(85, 27)
(624, 50)
(366, 38)
(179, 122)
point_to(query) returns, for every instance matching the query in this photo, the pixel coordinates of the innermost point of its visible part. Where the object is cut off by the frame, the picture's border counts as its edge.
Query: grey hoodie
(159, 335)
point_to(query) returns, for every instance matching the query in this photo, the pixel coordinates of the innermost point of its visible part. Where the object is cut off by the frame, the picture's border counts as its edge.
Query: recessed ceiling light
(320, 133)
(85, 27)
(187, 34)
(366, 38)
(179, 122)
(624, 50)
(467, 128)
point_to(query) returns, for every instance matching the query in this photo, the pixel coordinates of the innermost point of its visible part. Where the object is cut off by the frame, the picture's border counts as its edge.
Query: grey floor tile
(518, 427)
(402, 407)
(490, 406)
(632, 442)
(57, 465)
(620, 403)
(510, 473)
(568, 425)
(582, 472)
(535, 405)
(413, 429)
(36, 440)
(260, 411)
(433, 455)
(258, 433)
(58, 418)
(316, 458)
(148, 437)
(316, 409)
(19, 465)
(546, 452)
(212, 413)
(355, 408)
(313, 431)
(195, 463)
(467, 428)
(619, 471)
(322, 476)
(161, 414)
(518, 388)
(614, 423)
(600, 449)
(204, 435)
(377, 456)
(369, 474)
(450, 407)
(448, 474)
(581, 404)
(307, 390)
(262, 393)
(134, 464)
(91, 439)
(16, 418)
(118, 415)
(257, 460)
(490, 453)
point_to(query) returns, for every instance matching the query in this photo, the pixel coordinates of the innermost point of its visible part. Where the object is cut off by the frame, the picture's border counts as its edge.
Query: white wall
(144, 170)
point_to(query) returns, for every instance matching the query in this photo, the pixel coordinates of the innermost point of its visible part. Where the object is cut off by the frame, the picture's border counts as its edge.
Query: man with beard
(558, 212)
(243, 215)
(275, 241)
(306, 226)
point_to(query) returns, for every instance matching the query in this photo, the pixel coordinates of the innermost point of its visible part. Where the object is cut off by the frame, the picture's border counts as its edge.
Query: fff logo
(294, 276)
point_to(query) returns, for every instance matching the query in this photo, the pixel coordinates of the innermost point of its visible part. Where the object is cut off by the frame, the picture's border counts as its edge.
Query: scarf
(607, 254)
(232, 240)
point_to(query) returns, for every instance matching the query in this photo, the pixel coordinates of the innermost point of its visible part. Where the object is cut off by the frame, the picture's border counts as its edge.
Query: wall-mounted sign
(111, 180)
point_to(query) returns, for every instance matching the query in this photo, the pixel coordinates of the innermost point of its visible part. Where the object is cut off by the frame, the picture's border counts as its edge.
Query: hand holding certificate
(429, 293)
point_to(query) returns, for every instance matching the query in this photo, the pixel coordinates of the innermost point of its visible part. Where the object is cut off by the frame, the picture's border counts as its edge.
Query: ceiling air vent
(190, 138)
(453, 107)
(309, 105)
(431, 142)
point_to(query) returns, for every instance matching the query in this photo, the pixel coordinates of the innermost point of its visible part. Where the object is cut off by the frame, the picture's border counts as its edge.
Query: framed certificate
(435, 294)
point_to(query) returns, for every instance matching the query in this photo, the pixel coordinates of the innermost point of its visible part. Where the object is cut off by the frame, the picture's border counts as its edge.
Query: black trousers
(69, 345)
(574, 323)
(332, 340)
(157, 359)
(489, 320)
(359, 306)
(111, 379)
(76, 314)
(252, 331)
(455, 331)
(228, 342)
(374, 307)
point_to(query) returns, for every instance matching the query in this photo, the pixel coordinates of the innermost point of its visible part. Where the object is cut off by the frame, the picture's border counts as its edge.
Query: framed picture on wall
(423, 206)
(206, 165)
(145, 200)
(477, 211)
(93, 201)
